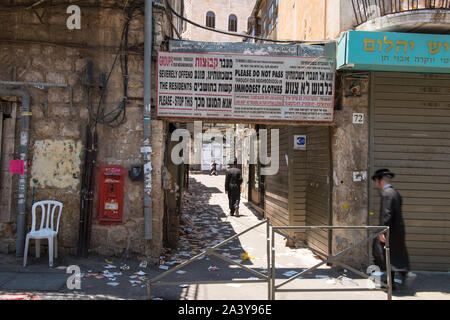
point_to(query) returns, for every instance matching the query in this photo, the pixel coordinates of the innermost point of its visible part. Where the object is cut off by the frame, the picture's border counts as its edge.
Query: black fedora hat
(380, 173)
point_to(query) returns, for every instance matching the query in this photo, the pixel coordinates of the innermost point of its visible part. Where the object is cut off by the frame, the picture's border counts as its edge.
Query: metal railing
(272, 288)
(211, 251)
(365, 10)
(333, 259)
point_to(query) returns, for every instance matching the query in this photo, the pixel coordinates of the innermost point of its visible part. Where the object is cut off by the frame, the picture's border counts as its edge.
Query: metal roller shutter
(276, 198)
(298, 183)
(318, 189)
(410, 134)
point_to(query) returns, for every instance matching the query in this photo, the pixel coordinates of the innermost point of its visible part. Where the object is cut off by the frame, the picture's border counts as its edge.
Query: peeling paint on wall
(56, 163)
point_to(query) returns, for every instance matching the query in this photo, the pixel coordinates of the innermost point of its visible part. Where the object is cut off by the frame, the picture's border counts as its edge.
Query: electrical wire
(40, 5)
(117, 116)
(242, 35)
(36, 4)
(33, 6)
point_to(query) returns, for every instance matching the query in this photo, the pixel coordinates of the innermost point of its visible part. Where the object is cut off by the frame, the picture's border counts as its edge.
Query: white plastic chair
(47, 229)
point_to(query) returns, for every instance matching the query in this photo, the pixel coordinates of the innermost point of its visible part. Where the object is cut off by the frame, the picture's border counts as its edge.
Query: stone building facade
(36, 46)
(222, 9)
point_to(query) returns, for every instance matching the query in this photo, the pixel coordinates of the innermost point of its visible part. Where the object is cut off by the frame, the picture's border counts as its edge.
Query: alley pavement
(205, 222)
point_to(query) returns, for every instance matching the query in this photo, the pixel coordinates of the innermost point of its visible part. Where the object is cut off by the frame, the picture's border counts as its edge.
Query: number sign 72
(358, 118)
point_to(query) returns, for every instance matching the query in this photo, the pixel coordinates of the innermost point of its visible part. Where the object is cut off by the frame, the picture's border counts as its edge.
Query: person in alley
(233, 181)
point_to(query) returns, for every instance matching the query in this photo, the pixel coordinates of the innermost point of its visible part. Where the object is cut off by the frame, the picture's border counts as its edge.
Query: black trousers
(234, 197)
(403, 274)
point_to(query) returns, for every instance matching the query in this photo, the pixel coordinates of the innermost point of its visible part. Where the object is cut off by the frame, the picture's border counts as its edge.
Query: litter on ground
(346, 281)
(113, 284)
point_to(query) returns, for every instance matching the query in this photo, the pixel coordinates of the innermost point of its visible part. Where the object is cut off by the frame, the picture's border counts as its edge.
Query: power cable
(35, 5)
(42, 4)
(117, 116)
(241, 35)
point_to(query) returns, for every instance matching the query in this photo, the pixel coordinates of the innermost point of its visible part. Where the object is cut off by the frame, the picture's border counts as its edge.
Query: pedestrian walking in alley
(391, 215)
(213, 168)
(233, 181)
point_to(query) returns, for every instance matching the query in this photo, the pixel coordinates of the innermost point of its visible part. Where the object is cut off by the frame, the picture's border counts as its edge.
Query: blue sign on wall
(299, 142)
(394, 51)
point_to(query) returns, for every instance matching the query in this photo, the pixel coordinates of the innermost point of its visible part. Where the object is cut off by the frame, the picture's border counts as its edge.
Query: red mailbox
(111, 194)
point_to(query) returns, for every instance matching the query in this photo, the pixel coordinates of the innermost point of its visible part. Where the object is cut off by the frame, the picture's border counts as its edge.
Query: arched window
(232, 23)
(249, 22)
(210, 19)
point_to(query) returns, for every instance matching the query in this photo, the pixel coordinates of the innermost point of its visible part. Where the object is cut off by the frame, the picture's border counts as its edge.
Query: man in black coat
(233, 181)
(213, 168)
(391, 215)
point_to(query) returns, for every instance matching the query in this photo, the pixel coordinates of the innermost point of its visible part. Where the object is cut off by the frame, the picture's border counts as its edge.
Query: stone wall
(350, 150)
(314, 20)
(45, 50)
(301, 20)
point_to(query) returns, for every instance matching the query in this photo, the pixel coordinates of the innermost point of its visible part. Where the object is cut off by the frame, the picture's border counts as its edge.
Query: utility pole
(146, 148)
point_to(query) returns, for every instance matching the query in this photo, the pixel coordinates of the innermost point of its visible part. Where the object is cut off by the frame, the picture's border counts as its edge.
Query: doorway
(8, 121)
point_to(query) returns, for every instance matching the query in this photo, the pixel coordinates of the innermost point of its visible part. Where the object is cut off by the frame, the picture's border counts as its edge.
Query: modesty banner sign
(245, 87)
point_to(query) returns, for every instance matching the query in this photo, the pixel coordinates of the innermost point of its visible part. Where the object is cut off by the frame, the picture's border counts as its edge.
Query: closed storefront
(299, 194)
(410, 131)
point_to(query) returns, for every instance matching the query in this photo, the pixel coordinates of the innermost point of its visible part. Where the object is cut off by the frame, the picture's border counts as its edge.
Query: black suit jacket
(233, 179)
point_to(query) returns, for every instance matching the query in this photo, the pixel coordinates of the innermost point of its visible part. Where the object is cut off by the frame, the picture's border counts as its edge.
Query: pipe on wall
(147, 118)
(23, 151)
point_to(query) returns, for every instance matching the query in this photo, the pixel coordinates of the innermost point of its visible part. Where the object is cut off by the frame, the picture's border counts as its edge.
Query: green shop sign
(394, 51)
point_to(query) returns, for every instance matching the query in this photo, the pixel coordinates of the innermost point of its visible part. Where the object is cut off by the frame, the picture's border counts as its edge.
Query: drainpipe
(146, 149)
(24, 141)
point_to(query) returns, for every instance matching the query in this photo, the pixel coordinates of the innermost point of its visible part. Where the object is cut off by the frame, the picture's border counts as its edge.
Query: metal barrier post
(388, 265)
(269, 286)
(273, 266)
